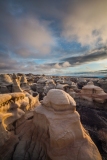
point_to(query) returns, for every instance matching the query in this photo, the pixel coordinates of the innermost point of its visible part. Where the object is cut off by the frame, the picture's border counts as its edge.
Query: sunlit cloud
(86, 23)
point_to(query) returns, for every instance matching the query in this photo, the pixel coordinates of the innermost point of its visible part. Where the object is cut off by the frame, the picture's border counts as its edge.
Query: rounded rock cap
(59, 100)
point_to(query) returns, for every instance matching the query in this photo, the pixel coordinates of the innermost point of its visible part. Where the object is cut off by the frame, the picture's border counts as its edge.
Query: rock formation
(103, 84)
(91, 92)
(81, 82)
(95, 121)
(66, 139)
(64, 87)
(23, 79)
(5, 82)
(23, 83)
(72, 93)
(16, 84)
(52, 131)
(41, 84)
(5, 79)
(73, 86)
(9, 109)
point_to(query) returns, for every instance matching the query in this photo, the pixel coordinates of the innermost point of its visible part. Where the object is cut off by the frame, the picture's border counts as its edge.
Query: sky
(53, 37)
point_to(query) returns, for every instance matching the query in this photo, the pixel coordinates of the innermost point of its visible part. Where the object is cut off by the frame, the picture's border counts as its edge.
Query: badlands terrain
(52, 118)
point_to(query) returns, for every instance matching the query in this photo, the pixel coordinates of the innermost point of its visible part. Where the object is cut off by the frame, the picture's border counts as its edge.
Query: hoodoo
(66, 138)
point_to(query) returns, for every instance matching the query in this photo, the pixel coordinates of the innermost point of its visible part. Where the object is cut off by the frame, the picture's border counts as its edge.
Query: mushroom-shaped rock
(59, 100)
(92, 92)
(65, 138)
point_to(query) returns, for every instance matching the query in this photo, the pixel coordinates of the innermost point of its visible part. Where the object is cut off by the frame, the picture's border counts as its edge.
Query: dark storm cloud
(95, 55)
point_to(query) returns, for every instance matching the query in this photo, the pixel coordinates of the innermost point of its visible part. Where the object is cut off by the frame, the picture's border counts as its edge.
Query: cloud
(34, 33)
(66, 64)
(100, 73)
(26, 35)
(86, 22)
(57, 66)
(57, 33)
(94, 55)
(88, 68)
(61, 65)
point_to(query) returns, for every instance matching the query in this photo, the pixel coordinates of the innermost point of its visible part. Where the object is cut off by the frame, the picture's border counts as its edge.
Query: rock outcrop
(66, 139)
(52, 131)
(23, 83)
(5, 79)
(92, 92)
(50, 84)
(81, 82)
(16, 84)
(103, 84)
(5, 83)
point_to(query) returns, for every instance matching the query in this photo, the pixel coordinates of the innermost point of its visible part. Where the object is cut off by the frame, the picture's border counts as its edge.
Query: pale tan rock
(90, 88)
(59, 100)
(50, 84)
(5, 79)
(24, 83)
(66, 137)
(16, 86)
(9, 118)
(60, 86)
(91, 92)
(9, 111)
(33, 102)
